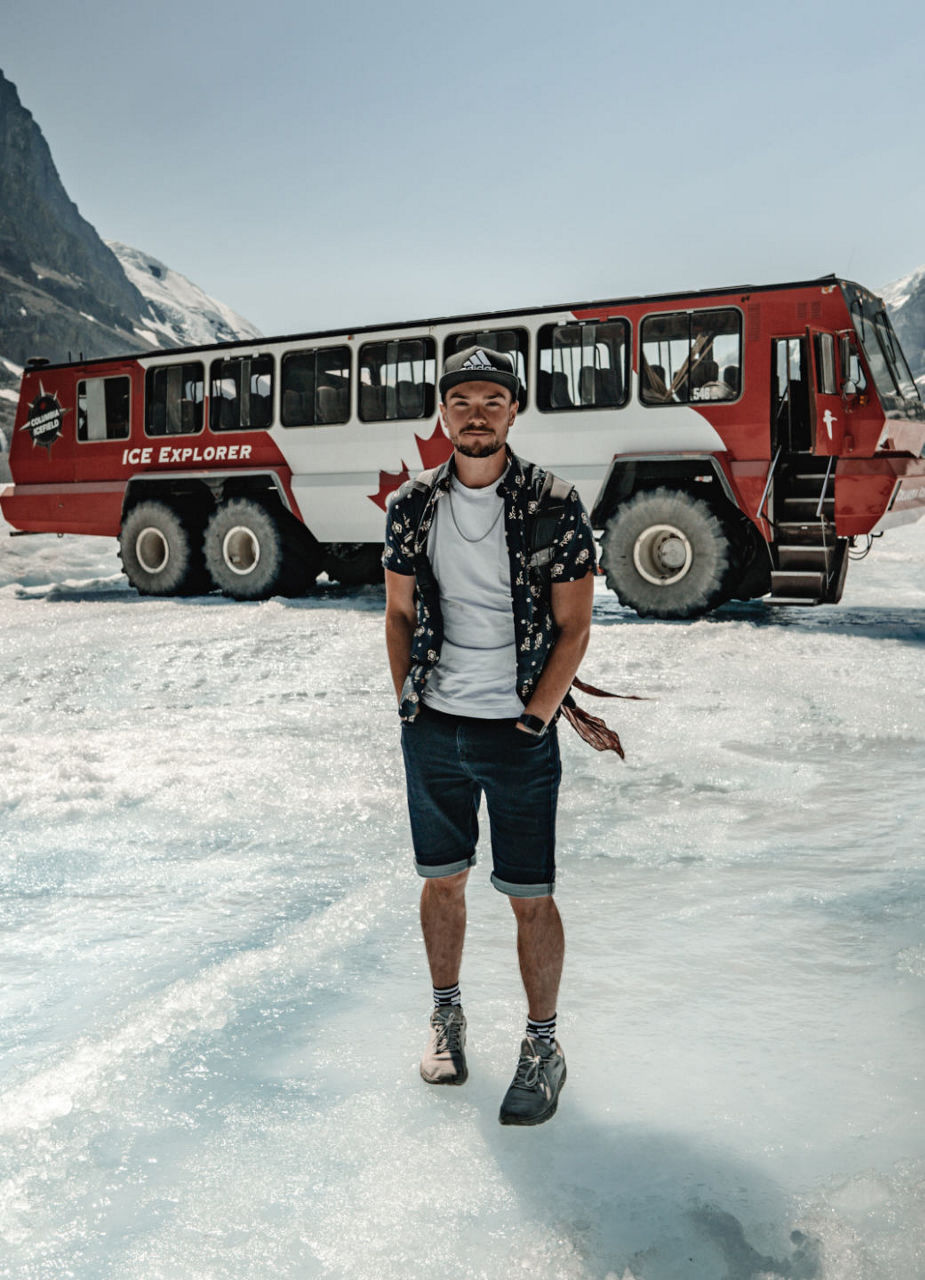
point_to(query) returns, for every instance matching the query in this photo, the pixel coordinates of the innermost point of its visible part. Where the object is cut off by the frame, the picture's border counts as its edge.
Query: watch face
(533, 724)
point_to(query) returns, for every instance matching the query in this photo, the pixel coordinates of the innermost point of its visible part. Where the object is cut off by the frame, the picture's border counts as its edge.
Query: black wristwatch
(532, 724)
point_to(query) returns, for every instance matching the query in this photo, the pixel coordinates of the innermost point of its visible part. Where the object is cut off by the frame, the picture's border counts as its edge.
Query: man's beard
(479, 448)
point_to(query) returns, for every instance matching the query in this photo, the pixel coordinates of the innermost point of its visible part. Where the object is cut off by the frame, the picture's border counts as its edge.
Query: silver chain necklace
(482, 537)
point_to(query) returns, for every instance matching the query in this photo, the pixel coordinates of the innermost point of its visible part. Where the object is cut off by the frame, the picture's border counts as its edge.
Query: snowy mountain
(61, 289)
(178, 313)
(175, 312)
(63, 292)
(905, 301)
(897, 294)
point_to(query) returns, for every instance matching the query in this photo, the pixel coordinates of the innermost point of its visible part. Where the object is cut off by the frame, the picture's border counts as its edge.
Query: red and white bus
(731, 443)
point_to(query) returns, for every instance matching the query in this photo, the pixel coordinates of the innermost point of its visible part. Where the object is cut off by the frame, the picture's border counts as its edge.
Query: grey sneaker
(444, 1060)
(534, 1092)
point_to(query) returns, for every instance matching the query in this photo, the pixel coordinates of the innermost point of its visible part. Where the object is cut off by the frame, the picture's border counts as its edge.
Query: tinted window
(173, 399)
(899, 369)
(826, 382)
(316, 387)
(103, 408)
(583, 366)
(398, 379)
(241, 393)
(690, 355)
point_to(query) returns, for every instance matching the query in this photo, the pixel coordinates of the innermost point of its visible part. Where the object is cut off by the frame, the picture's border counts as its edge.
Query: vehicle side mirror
(849, 389)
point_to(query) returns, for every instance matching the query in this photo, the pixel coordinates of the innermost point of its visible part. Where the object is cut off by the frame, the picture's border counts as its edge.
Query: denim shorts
(449, 762)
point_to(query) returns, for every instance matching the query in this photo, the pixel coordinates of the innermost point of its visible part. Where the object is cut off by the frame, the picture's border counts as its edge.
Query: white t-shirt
(477, 672)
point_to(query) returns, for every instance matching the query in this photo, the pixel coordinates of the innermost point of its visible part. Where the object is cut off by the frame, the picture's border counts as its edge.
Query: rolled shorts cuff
(523, 890)
(447, 869)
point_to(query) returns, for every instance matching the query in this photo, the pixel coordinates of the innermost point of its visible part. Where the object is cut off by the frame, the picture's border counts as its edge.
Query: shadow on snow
(906, 624)
(633, 1202)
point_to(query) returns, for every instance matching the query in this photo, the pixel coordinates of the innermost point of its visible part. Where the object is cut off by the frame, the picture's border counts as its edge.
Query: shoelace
(528, 1072)
(447, 1037)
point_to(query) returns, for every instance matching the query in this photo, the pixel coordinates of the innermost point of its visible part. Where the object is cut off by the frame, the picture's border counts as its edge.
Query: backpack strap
(422, 486)
(423, 482)
(551, 494)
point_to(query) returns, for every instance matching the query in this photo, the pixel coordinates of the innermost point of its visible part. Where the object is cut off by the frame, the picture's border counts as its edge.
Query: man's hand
(401, 616)
(571, 609)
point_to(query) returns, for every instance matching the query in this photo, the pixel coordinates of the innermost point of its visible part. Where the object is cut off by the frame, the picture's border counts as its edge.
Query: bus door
(826, 404)
(792, 427)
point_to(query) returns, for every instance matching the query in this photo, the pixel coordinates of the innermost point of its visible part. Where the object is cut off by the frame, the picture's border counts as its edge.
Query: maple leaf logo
(389, 481)
(434, 449)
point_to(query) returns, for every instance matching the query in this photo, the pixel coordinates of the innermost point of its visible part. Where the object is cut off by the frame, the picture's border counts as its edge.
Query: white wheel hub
(662, 554)
(241, 550)
(152, 550)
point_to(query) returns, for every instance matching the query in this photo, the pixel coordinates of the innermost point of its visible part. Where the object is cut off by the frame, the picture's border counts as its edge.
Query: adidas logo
(479, 360)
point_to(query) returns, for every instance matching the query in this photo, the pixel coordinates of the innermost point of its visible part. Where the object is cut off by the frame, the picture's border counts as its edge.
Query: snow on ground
(215, 995)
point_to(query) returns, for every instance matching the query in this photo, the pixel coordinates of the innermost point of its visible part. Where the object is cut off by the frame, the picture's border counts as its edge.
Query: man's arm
(401, 616)
(571, 608)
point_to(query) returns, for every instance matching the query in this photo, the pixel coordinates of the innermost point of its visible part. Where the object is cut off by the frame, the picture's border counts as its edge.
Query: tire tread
(701, 589)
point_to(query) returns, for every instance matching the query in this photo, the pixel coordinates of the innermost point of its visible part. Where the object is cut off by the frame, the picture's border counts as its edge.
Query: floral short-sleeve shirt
(570, 555)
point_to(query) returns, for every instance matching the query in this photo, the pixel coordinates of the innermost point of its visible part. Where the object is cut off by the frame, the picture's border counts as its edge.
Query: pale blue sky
(322, 164)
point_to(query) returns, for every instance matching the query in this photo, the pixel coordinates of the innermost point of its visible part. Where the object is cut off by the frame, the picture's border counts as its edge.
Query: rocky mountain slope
(63, 291)
(905, 301)
(61, 288)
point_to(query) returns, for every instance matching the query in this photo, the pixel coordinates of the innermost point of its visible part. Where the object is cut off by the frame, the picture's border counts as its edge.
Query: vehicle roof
(488, 316)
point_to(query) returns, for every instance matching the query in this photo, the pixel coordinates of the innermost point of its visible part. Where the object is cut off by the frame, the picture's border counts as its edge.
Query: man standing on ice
(489, 582)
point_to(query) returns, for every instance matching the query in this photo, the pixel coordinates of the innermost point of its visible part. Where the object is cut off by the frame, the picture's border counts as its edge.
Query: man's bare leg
(540, 950)
(534, 1093)
(443, 923)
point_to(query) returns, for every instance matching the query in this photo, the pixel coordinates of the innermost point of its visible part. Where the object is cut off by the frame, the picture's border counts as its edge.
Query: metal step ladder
(809, 560)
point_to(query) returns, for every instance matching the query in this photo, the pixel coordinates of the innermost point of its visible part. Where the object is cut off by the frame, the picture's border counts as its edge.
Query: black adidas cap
(479, 364)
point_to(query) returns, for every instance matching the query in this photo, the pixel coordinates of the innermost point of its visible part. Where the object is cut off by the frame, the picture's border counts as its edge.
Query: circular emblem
(44, 421)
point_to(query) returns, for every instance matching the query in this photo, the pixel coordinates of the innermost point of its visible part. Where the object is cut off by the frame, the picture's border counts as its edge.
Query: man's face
(478, 416)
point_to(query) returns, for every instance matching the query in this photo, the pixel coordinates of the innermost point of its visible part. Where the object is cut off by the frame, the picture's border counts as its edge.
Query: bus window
(791, 423)
(899, 369)
(241, 393)
(691, 355)
(316, 387)
(851, 368)
(173, 399)
(515, 342)
(582, 366)
(826, 381)
(398, 379)
(103, 408)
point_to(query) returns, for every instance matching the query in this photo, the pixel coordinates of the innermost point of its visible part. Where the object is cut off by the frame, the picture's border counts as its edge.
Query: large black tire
(161, 551)
(353, 564)
(750, 568)
(666, 555)
(253, 551)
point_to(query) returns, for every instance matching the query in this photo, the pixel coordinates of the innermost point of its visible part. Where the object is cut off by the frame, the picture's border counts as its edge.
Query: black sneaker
(534, 1092)
(444, 1060)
